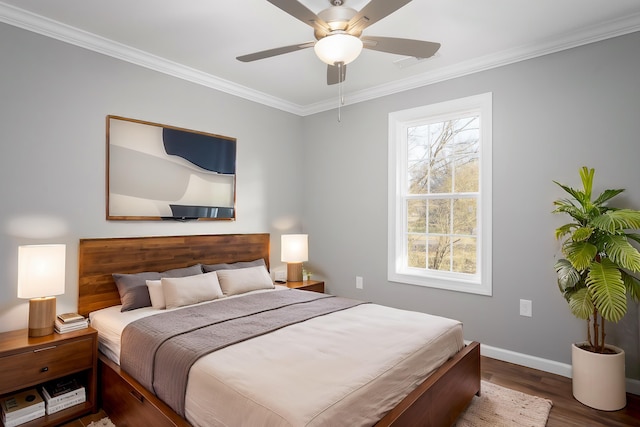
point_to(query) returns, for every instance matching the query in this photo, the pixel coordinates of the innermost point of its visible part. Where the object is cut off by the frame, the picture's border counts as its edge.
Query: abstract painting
(157, 172)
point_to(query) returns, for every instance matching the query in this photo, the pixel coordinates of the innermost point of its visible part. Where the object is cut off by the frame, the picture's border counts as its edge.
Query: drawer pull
(137, 396)
(44, 348)
(45, 369)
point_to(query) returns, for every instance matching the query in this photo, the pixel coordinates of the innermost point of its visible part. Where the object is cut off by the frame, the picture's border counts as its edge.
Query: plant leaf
(633, 286)
(607, 289)
(580, 254)
(564, 230)
(582, 233)
(581, 304)
(615, 220)
(633, 236)
(568, 276)
(621, 252)
(586, 175)
(578, 195)
(607, 195)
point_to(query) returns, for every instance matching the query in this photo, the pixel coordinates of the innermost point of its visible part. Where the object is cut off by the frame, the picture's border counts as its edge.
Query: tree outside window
(442, 160)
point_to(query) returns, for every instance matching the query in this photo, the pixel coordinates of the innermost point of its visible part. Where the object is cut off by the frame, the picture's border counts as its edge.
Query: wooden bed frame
(436, 402)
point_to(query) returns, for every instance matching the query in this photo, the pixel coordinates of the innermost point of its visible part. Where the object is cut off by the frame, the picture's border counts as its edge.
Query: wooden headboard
(100, 258)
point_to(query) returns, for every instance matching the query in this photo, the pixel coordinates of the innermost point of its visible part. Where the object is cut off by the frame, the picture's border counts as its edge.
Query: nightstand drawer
(45, 363)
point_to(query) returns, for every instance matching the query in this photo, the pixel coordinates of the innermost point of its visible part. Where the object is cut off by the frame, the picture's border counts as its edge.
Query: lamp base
(294, 272)
(42, 316)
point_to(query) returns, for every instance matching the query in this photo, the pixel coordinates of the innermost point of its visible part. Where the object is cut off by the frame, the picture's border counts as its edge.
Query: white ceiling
(199, 40)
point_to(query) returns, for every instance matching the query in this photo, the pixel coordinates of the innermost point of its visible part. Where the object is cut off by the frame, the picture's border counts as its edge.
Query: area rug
(502, 407)
(105, 422)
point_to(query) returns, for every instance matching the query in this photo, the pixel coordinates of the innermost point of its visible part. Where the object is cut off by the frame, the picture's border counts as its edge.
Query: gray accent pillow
(183, 272)
(233, 266)
(133, 289)
(132, 294)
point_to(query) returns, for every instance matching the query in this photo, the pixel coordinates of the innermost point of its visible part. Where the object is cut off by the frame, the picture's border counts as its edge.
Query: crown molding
(47, 27)
(606, 30)
(56, 30)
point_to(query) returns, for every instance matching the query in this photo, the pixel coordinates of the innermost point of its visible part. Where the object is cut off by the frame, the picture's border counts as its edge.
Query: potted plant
(595, 278)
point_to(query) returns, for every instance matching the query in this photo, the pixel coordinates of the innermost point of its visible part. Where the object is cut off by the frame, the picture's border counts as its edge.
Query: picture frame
(162, 172)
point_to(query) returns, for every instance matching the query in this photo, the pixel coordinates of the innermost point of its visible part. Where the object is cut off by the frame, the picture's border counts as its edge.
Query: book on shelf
(70, 317)
(21, 407)
(24, 419)
(70, 395)
(63, 393)
(62, 328)
(66, 403)
(61, 388)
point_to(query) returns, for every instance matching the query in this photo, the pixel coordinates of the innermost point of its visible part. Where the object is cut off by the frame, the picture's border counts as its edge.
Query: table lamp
(41, 275)
(294, 251)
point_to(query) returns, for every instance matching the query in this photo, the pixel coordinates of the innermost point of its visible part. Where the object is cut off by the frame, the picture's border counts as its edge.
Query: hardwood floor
(566, 411)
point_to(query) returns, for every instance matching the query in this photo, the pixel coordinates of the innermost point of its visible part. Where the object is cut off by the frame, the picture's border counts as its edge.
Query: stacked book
(62, 394)
(21, 407)
(68, 322)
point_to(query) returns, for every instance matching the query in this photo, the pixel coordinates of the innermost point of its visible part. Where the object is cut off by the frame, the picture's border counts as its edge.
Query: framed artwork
(159, 172)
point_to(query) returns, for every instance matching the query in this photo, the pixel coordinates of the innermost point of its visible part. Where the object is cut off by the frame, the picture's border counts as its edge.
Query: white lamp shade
(41, 270)
(294, 248)
(338, 48)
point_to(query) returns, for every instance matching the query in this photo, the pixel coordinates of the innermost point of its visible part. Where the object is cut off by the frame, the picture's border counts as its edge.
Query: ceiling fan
(338, 31)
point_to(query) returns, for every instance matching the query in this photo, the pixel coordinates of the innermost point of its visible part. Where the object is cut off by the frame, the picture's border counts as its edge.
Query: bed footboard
(437, 402)
(442, 397)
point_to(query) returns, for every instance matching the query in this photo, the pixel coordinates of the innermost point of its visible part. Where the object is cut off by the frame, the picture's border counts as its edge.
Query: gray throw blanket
(159, 350)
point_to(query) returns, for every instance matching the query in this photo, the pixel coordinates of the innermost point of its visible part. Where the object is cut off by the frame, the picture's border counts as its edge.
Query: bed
(437, 400)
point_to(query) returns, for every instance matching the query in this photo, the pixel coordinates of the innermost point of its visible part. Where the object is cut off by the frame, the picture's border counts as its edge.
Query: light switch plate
(526, 308)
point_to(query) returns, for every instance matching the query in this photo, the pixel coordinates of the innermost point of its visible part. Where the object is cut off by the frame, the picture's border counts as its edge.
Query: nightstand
(28, 362)
(307, 285)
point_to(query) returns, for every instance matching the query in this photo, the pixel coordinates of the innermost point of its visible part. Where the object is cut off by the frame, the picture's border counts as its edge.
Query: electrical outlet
(526, 308)
(359, 282)
(280, 275)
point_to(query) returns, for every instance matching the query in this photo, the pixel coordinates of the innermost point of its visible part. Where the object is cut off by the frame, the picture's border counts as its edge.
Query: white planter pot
(599, 379)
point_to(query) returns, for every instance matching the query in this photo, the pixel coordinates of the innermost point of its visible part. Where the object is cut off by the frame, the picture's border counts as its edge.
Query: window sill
(471, 287)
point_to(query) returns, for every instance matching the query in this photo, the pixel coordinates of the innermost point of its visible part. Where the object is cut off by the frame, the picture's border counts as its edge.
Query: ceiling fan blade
(374, 11)
(336, 74)
(407, 47)
(300, 12)
(274, 52)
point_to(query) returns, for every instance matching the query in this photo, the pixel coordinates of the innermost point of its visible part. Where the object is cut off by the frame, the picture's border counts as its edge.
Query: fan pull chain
(340, 91)
(340, 100)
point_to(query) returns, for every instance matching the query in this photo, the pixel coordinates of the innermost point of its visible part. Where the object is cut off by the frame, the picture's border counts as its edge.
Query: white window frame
(399, 123)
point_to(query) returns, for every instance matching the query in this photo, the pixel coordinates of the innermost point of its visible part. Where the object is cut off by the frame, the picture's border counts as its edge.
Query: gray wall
(54, 98)
(551, 115)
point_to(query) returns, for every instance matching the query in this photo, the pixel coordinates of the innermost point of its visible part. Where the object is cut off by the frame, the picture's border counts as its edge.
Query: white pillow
(157, 294)
(241, 280)
(181, 291)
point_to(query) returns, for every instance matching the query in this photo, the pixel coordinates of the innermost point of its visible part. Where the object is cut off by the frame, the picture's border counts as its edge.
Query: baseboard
(563, 369)
(633, 386)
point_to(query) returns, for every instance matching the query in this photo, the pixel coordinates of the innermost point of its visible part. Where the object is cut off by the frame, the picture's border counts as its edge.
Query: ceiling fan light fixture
(336, 48)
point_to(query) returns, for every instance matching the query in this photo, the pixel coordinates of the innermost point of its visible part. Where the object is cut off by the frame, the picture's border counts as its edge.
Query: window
(440, 195)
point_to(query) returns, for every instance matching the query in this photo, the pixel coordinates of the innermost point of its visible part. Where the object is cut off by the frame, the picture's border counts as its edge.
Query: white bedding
(110, 322)
(345, 368)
